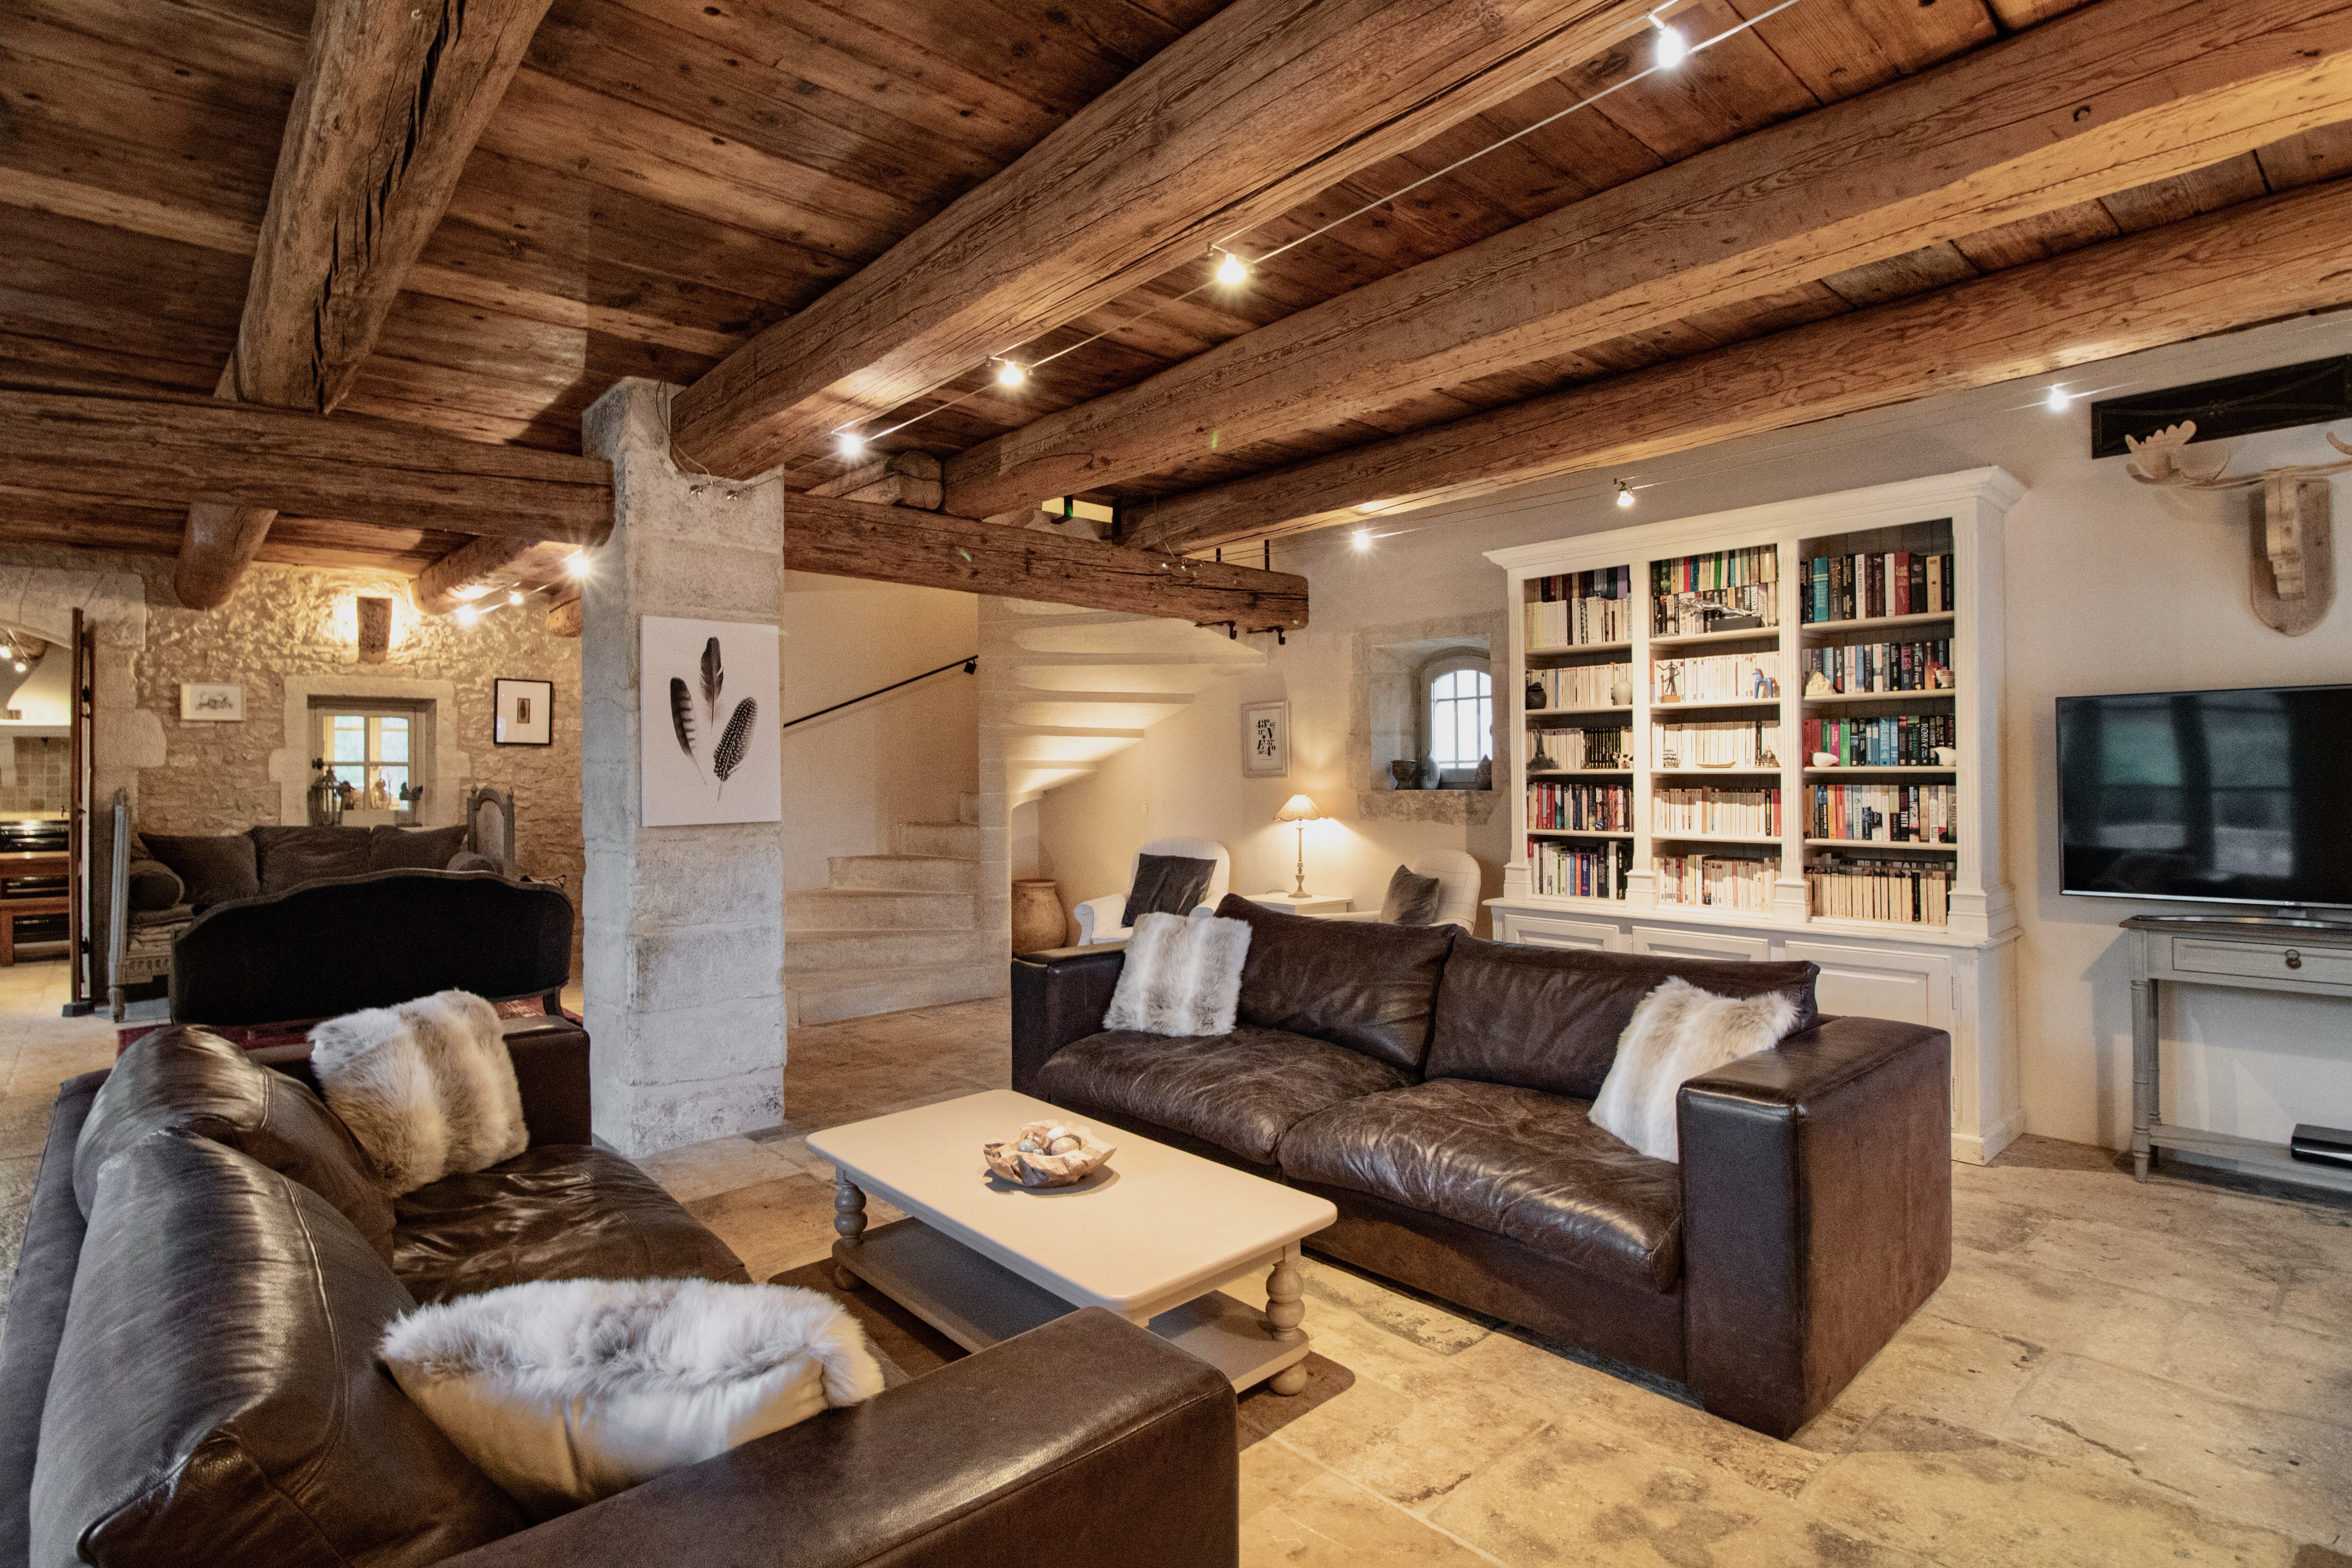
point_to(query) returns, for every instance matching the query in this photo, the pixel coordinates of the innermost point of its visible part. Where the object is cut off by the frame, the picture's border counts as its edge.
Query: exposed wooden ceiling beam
(165, 450)
(928, 550)
(1257, 108)
(2246, 264)
(2119, 94)
(481, 565)
(392, 99)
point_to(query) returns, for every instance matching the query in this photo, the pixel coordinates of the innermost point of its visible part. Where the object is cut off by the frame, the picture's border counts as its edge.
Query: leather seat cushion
(1508, 1161)
(1370, 987)
(562, 1211)
(1240, 1091)
(192, 1079)
(216, 1395)
(1550, 1018)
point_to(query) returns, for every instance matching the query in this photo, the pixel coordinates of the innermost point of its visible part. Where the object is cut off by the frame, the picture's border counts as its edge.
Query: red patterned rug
(259, 1036)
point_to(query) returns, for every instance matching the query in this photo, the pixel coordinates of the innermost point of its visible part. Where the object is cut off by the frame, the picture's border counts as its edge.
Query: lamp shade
(1299, 809)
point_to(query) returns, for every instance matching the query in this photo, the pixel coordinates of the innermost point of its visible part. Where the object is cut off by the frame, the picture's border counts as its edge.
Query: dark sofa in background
(1436, 1088)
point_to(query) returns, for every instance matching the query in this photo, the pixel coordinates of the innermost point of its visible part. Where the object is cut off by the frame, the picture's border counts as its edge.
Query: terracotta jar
(1038, 922)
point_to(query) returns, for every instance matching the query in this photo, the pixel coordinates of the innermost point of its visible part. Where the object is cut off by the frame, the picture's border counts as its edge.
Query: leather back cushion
(213, 867)
(1548, 1018)
(216, 1390)
(194, 1079)
(1372, 988)
(414, 849)
(290, 856)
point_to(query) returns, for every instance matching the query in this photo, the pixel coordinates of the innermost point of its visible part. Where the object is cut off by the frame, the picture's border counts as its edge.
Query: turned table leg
(1283, 1312)
(849, 1223)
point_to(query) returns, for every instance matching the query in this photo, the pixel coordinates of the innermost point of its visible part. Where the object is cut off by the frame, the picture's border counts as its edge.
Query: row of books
(1716, 678)
(1758, 564)
(1582, 807)
(1583, 685)
(1733, 813)
(1895, 741)
(1555, 749)
(1883, 813)
(1579, 870)
(1725, 743)
(1909, 892)
(1925, 666)
(1722, 590)
(1863, 587)
(1716, 882)
(1574, 608)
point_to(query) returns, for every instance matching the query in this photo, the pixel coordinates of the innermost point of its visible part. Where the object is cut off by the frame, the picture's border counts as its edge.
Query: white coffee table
(1151, 1235)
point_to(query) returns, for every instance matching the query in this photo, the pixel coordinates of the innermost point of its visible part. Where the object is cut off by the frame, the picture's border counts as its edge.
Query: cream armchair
(1457, 898)
(1099, 919)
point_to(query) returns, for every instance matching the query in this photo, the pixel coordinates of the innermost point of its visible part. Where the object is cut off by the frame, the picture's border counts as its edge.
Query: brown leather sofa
(1436, 1088)
(189, 1374)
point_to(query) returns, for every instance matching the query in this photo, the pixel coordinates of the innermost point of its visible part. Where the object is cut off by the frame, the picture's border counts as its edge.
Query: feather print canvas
(711, 692)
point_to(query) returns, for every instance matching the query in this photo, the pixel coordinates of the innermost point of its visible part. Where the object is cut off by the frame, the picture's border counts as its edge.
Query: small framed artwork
(526, 713)
(1266, 740)
(223, 703)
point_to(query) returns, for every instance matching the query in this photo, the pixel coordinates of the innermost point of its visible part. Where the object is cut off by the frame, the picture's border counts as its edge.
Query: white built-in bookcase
(1955, 976)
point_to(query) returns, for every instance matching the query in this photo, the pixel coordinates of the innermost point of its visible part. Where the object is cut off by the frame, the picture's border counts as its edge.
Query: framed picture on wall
(709, 693)
(526, 712)
(1266, 740)
(223, 703)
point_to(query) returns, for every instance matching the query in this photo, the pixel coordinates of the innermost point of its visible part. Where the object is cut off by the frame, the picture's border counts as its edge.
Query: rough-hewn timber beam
(2118, 94)
(175, 451)
(902, 478)
(2267, 258)
(1255, 110)
(928, 550)
(391, 102)
(480, 566)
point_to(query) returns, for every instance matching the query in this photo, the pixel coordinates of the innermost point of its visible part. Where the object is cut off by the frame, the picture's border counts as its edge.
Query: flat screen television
(2240, 796)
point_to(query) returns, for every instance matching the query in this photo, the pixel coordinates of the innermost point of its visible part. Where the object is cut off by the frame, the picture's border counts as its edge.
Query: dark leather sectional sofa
(205, 1253)
(1436, 1088)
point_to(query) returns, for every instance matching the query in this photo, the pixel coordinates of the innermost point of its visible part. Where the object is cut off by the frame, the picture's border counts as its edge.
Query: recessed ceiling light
(1233, 269)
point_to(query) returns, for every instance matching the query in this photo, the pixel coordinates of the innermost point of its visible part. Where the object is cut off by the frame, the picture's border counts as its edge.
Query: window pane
(395, 781)
(1479, 685)
(349, 743)
(355, 777)
(1483, 743)
(392, 744)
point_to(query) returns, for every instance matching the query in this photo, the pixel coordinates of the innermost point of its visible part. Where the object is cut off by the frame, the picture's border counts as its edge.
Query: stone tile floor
(2114, 1374)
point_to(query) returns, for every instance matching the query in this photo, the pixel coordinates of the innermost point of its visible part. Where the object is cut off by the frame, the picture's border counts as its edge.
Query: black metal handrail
(970, 665)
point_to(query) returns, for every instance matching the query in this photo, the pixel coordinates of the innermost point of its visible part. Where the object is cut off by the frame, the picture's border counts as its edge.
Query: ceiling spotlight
(851, 444)
(1670, 49)
(467, 615)
(578, 564)
(1233, 269)
(1009, 373)
(2057, 400)
(1624, 493)
(1362, 538)
(514, 596)
(21, 667)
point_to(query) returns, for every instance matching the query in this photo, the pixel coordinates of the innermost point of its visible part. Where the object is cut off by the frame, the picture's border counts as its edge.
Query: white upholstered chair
(1457, 898)
(1099, 919)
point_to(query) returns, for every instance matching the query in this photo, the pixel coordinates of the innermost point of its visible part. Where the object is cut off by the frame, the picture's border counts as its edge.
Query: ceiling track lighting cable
(1223, 246)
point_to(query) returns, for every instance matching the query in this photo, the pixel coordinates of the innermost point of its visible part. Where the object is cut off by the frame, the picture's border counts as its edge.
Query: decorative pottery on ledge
(1047, 1154)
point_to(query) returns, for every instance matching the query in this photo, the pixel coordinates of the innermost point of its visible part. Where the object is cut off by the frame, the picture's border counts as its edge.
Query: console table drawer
(2264, 960)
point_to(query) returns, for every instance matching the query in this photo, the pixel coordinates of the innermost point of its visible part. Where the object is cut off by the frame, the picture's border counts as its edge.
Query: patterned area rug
(919, 1348)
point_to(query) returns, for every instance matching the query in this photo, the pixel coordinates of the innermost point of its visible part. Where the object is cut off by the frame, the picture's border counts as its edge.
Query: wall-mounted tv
(2242, 796)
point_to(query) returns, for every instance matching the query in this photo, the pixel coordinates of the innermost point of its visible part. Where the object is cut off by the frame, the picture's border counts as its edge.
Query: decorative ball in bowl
(1047, 1154)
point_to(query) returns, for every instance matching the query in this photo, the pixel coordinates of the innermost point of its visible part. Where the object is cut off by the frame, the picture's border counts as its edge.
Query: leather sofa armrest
(1817, 1212)
(1059, 996)
(550, 1063)
(1088, 1440)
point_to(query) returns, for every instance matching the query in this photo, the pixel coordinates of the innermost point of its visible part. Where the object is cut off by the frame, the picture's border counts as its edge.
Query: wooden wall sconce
(375, 630)
(2291, 574)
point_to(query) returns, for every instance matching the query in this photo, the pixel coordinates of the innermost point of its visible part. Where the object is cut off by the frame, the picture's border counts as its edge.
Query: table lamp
(1302, 811)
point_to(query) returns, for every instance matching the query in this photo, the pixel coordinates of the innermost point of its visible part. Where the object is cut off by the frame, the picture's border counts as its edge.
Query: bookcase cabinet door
(1550, 931)
(1669, 941)
(1875, 982)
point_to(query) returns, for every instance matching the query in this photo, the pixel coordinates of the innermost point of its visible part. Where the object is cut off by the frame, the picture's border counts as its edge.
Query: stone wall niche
(683, 951)
(1385, 695)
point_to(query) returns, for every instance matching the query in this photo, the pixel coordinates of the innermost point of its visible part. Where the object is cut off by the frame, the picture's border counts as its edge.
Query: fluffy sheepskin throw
(565, 1391)
(1676, 1034)
(1182, 977)
(427, 1086)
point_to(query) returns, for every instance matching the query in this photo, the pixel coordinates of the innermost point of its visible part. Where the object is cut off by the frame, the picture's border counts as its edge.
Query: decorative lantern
(326, 797)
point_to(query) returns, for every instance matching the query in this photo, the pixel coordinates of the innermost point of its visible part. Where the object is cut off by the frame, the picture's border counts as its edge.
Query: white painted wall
(904, 757)
(2112, 587)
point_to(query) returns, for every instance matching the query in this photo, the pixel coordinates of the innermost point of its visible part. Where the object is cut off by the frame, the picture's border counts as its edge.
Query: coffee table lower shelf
(977, 1302)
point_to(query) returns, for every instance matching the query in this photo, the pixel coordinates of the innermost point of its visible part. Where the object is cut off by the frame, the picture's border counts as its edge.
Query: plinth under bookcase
(1670, 686)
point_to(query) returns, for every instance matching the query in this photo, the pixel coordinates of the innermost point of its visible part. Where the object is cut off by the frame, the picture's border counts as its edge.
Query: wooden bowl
(1037, 1168)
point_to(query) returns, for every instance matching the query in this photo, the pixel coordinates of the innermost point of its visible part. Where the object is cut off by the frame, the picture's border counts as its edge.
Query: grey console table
(2313, 958)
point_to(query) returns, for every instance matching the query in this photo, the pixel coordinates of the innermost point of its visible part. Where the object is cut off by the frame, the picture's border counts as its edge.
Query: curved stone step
(813, 950)
(827, 998)
(903, 873)
(842, 909)
(951, 840)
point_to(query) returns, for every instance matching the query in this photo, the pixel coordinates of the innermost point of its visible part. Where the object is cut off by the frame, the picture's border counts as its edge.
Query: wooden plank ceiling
(664, 179)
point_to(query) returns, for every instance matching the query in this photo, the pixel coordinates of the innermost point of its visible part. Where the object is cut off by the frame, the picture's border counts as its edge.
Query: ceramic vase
(1038, 922)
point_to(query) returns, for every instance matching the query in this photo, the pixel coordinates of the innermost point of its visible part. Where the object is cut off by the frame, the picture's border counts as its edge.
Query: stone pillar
(684, 949)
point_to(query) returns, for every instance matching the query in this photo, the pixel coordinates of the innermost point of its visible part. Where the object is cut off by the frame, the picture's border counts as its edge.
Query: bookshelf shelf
(1935, 541)
(1575, 832)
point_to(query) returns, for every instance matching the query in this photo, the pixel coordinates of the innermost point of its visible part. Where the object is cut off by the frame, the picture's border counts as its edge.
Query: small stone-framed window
(381, 749)
(1458, 712)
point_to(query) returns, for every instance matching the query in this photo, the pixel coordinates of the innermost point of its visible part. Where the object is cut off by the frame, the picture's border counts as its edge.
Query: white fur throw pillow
(1182, 977)
(427, 1086)
(1676, 1034)
(565, 1391)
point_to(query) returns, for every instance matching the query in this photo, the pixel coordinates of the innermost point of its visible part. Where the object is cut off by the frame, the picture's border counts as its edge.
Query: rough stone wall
(299, 621)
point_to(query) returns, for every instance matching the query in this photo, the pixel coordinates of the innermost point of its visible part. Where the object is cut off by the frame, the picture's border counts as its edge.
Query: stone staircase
(895, 930)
